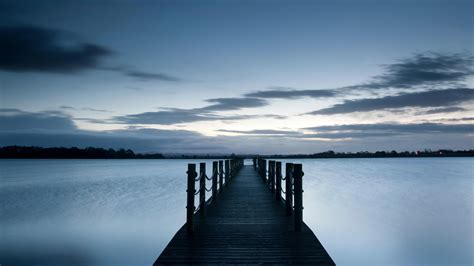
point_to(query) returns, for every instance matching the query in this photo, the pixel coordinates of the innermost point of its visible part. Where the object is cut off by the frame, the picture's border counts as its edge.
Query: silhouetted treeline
(21, 152)
(380, 154)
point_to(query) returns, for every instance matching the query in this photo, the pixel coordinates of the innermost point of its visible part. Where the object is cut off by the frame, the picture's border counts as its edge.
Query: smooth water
(401, 211)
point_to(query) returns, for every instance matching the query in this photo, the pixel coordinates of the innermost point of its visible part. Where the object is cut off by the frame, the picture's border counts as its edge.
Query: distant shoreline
(31, 152)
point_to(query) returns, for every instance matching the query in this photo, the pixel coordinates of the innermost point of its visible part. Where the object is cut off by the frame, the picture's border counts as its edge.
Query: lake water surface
(400, 211)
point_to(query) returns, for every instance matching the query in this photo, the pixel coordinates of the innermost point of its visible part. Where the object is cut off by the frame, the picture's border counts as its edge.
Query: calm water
(124, 212)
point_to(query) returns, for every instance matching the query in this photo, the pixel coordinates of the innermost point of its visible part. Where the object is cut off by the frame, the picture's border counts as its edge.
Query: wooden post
(214, 180)
(202, 189)
(298, 183)
(271, 175)
(264, 170)
(278, 181)
(227, 172)
(221, 175)
(254, 161)
(190, 200)
(288, 188)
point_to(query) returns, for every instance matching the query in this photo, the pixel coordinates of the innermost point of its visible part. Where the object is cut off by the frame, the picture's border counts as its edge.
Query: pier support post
(214, 180)
(202, 189)
(298, 187)
(278, 181)
(264, 170)
(190, 197)
(288, 188)
(221, 175)
(271, 175)
(227, 172)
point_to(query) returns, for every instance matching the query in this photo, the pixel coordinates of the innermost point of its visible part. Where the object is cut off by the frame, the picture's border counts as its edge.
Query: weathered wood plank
(245, 225)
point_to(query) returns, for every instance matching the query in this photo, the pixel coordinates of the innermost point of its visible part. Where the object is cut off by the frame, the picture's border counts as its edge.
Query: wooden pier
(254, 216)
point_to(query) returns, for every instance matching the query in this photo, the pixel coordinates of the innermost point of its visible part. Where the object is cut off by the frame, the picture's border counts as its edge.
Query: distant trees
(381, 154)
(22, 152)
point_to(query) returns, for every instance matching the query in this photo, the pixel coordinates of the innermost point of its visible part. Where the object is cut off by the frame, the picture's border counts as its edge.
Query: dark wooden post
(278, 181)
(190, 200)
(288, 189)
(227, 172)
(214, 180)
(221, 175)
(271, 175)
(202, 189)
(264, 170)
(298, 183)
(254, 161)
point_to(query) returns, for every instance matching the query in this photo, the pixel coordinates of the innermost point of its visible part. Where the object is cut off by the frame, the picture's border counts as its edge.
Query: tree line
(31, 152)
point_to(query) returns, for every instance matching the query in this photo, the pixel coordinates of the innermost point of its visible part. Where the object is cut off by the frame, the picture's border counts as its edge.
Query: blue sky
(243, 76)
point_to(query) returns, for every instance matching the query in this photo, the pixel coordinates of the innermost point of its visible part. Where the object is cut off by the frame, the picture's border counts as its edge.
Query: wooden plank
(245, 225)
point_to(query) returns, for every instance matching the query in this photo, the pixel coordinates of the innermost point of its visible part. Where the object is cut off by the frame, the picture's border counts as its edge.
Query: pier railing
(293, 188)
(222, 173)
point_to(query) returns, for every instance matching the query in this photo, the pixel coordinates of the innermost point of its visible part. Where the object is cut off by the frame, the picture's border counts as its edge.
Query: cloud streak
(290, 93)
(387, 129)
(436, 98)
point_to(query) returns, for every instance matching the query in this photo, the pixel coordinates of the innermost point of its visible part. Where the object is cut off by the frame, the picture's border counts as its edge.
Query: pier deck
(245, 225)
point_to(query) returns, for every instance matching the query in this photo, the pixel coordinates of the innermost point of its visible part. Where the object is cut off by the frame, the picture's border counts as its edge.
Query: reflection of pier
(246, 219)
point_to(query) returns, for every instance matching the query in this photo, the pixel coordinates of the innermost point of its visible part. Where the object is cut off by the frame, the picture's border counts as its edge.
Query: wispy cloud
(436, 98)
(264, 132)
(442, 110)
(387, 129)
(290, 93)
(146, 76)
(170, 116)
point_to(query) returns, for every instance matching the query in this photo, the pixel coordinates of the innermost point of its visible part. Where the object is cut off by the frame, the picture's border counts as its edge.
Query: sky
(238, 76)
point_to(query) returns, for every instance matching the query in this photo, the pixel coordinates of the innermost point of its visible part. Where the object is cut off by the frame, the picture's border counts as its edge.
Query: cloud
(290, 93)
(179, 116)
(170, 116)
(261, 132)
(230, 104)
(436, 98)
(146, 76)
(70, 108)
(35, 49)
(421, 69)
(18, 120)
(426, 68)
(442, 110)
(387, 129)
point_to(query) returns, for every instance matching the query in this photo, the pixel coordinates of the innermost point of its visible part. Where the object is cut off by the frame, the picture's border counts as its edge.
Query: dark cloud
(387, 129)
(436, 98)
(18, 120)
(146, 76)
(290, 93)
(426, 68)
(422, 69)
(230, 104)
(34, 49)
(442, 110)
